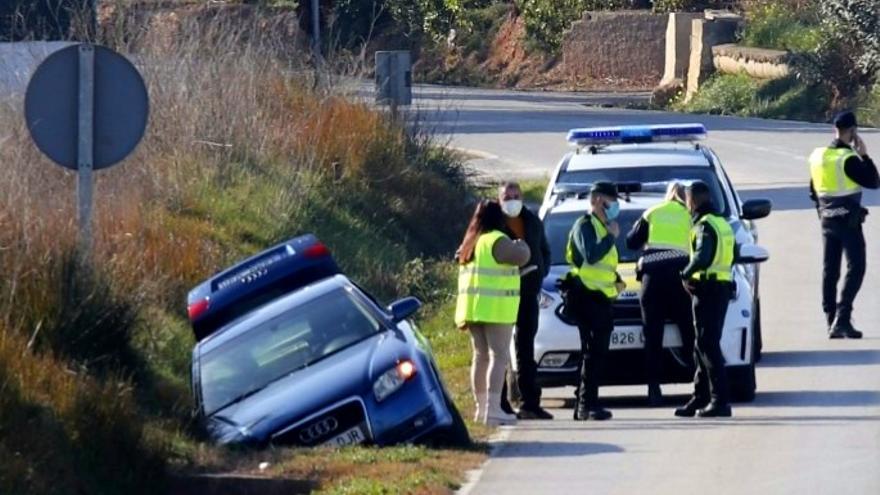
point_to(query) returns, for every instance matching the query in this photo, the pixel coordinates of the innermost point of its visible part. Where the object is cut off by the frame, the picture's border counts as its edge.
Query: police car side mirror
(752, 253)
(404, 308)
(754, 209)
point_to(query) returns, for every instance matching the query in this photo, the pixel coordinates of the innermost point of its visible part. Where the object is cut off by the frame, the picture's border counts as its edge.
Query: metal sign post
(86, 108)
(85, 147)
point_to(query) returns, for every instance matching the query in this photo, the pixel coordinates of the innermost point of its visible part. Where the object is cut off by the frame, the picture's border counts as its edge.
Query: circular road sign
(121, 106)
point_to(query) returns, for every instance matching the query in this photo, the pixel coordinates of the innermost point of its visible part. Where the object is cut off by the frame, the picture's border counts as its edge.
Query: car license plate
(353, 436)
(633, 337)
(627, 337)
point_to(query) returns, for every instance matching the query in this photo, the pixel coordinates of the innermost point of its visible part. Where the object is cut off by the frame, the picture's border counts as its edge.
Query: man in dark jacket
(523, 224)
(837, 175)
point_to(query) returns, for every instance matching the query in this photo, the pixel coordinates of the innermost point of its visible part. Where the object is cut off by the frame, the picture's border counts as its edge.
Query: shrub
(771, 25)
(547, 20)
(724, 94)
(847, 60)
(686, 5)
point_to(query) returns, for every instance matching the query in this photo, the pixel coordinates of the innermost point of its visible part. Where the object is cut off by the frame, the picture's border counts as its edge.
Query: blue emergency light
(596, 136)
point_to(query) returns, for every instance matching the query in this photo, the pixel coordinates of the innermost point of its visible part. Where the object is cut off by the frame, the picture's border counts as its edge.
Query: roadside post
(393, 79)
(86, 108)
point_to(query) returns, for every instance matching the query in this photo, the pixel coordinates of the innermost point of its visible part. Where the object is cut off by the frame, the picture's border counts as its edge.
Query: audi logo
(320, 429)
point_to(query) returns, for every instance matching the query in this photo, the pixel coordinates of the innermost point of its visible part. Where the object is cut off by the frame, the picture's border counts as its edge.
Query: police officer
(838, 173)
(590, 288)
(663, 229)
(709, 279)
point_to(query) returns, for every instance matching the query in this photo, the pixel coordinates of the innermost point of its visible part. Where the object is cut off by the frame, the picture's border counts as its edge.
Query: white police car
(643, 160)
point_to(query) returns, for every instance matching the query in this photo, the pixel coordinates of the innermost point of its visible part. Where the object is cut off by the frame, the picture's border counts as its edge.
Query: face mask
(612, 210)
(512, 207)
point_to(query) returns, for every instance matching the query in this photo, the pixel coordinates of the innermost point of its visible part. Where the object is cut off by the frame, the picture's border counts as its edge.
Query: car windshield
(558, 225)
(277, 347)
(653, 179)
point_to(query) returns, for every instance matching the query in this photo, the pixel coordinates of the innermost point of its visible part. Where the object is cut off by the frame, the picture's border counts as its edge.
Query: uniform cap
(606, 188)
(845, 120)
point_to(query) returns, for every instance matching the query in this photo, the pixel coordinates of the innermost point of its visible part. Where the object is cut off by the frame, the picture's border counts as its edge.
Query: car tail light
(317, 250)
(198, 308)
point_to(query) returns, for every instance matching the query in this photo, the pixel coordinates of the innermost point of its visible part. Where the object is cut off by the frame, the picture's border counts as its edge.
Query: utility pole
(316, 39)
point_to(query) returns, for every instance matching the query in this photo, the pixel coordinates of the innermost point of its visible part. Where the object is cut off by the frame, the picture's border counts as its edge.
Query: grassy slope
(94, 364)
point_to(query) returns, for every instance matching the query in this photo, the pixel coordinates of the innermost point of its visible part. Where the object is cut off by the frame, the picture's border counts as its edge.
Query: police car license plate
(353, 436)
(633, 337)
(627, 337)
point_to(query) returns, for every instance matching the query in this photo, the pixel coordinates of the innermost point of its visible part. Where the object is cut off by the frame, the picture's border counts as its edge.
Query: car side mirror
(404, 308)
(754, 209)
(751, 254)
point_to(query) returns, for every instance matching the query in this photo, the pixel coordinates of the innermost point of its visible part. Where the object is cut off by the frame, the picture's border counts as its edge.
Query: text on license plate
(632, 337)
(353, 436)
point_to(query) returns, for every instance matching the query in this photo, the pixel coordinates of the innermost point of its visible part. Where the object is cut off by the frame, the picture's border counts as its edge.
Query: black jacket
(537, 241)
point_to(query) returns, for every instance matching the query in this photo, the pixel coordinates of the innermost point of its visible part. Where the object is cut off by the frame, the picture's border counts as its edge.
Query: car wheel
(454, 435)
(742, 383)
(756, 329)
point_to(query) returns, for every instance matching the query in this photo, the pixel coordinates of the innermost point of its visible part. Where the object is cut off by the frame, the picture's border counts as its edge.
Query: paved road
(815, 425)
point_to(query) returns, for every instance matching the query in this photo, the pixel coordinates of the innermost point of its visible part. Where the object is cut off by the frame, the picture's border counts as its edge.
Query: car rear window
(655, 178)
(275, 348)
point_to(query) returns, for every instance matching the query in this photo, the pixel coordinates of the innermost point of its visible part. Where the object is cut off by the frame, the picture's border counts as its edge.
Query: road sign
(393, 78)
(86, 108)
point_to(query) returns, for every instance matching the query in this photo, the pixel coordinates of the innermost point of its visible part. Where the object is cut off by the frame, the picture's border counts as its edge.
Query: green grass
(729, 94)
(778, 27)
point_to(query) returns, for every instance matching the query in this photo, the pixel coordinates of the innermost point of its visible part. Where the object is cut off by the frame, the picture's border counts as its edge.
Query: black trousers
(664, 298)
(841, 238)
(595, 317)
(710, 308)
(522, 384)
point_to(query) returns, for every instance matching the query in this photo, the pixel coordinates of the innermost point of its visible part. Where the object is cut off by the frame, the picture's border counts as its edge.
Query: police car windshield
(653, 179)
(275, 348)
(558, 225)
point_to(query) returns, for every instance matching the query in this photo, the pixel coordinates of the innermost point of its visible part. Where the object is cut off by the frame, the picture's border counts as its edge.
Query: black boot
(843, 328)
(690, 409)
(715, 410)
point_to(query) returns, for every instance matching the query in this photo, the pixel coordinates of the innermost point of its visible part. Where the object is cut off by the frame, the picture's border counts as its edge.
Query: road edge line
(497, 442)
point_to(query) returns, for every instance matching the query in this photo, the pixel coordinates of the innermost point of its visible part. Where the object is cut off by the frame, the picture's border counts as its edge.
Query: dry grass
(240, 152)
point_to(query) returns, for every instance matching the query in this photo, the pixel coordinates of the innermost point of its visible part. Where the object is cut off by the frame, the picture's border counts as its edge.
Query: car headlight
(391, 381)
(545, 300)
(554, 359)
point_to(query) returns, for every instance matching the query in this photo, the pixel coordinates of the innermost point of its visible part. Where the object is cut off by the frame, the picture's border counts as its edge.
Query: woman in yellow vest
(487, 305)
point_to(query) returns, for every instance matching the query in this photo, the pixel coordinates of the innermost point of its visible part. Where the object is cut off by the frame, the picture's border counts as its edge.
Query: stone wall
(627, 46)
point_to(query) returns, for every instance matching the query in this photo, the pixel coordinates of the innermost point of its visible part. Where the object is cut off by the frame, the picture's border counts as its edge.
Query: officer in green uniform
(709, 279)
(590, 288)
(837, 175)
(663, 233)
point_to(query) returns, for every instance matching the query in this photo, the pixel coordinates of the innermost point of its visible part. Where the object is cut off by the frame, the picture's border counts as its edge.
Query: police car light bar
(596, 136)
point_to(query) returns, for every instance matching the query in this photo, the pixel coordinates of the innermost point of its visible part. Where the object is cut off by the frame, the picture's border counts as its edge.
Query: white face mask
(512, 207)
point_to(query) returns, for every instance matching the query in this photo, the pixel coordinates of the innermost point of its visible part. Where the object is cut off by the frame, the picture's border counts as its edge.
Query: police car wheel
(742, 383)
(756, 329)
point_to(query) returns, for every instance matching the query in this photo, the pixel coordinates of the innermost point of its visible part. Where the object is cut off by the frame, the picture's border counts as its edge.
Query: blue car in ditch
(291, 352)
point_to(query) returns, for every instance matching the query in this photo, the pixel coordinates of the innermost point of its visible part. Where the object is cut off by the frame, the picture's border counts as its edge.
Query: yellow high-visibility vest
(669, 226)
(602, 275)
(488, 291)
(827, 171)
(721, 268)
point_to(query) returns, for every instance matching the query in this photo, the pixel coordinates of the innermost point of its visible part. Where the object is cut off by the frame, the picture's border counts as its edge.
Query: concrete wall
(705, 34)
(617, 46)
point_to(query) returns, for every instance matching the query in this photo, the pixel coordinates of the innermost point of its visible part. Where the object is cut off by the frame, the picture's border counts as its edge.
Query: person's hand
(859, 146)
(621, 285)
(614, 229)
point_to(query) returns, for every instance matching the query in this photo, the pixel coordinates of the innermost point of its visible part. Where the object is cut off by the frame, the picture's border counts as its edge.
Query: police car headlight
(545, 300)
(554, 359)
(391, 381)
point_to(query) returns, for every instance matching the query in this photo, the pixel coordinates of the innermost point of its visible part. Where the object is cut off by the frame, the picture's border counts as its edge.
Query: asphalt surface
(815, 424)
